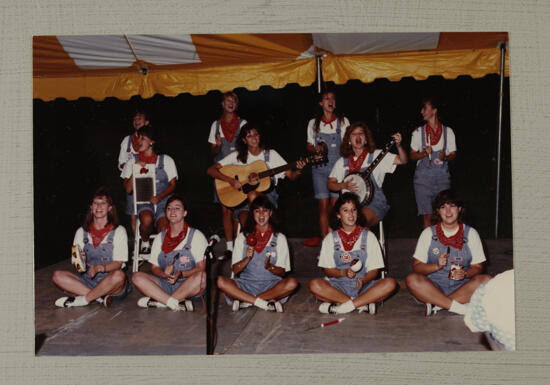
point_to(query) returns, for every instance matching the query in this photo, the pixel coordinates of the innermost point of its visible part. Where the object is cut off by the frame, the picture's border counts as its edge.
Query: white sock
(173, 303)
(79, 301)
(459, 308)
(229, 245)
(145, 243)
(261, 303)
(345, 307)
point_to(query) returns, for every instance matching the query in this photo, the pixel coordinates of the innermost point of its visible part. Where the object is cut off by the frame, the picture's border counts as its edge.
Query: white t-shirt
(212, 136)
(169, 167)
(325, 128)
(198, 246)
(474, 243)
(283, 257)
(417, 145)
(386, 166)
(374, 253)
(275, 160)
(120, 242)
(124, 156)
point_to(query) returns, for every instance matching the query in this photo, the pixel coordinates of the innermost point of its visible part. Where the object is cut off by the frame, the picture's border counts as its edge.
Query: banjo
(362, 179)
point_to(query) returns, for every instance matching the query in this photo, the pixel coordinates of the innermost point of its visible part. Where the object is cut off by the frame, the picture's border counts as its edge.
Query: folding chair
(144, 187)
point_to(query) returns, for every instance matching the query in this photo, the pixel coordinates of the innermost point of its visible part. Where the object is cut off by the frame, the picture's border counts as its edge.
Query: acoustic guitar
(254, 176)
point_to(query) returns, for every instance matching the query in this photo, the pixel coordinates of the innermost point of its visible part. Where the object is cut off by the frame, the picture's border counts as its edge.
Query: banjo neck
(378, 159)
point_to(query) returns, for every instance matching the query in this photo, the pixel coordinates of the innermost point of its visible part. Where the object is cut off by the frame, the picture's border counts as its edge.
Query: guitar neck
(379, 158)
(276, 170)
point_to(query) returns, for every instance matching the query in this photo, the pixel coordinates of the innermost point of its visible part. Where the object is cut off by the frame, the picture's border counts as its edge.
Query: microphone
(209, 252)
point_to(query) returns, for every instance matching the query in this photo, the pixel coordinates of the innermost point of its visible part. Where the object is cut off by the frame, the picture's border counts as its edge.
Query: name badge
(333, 145)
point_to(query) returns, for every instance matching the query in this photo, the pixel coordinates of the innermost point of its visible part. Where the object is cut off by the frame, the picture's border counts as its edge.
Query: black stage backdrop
(76, 146)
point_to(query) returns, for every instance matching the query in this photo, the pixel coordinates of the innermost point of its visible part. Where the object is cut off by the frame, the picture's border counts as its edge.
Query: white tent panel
(165, 49)
(363, 43)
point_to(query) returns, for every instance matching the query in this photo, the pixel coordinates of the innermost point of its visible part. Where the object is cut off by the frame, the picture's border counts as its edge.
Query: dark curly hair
(345, 147)
(447, 196)
(335, 222)
(242, 148)
(261, 201)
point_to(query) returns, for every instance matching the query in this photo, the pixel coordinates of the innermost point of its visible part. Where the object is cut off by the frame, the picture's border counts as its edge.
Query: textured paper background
(528, 24)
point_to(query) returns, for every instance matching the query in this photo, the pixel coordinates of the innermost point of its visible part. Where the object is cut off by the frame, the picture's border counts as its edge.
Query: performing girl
(151, 213)
(250, 148)
(177, 263)
(103, 249)
(432, 146)
(448, 259)
(325, 133)
(358, 152)
(223, 137)
(260, 262)
(344, 289)
(129, 148)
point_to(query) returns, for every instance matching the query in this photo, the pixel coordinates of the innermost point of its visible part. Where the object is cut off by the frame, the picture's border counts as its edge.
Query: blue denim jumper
(379, 203)
(161, 184)
(321, 172)
(100, 255)
(181, 258)
(255, 278)
(226, 148)
(429, 181)
(271, 193)
(343, 259)
(463, 257)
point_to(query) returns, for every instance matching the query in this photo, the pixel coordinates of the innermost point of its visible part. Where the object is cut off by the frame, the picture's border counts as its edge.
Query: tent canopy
(100, 66)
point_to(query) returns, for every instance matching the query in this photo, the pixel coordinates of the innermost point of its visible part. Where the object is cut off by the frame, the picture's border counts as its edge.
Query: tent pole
(500, 101)
(319, 75)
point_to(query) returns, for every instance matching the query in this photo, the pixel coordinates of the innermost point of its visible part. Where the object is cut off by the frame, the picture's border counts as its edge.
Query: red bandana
(229, 128)
(329, 122)
(170, 242)
(455, 241)
(134, 139)
(260, 240)
(148, 159)
(348, 240)
(98, 235)
(432, 135)
(355, 165)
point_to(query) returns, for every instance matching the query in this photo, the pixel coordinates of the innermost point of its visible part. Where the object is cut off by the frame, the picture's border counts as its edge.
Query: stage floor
(125, 329)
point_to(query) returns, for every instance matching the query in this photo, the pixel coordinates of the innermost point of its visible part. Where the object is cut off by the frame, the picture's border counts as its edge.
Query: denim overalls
(379, 203)
(342, 260)
(161, 184)
(255, 278)
(321, 172)
(430, 180)
(184, 261)
(463, 257)
(226, 148)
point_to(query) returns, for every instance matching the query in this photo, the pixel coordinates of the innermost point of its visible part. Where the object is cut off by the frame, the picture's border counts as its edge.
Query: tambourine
(76, 259)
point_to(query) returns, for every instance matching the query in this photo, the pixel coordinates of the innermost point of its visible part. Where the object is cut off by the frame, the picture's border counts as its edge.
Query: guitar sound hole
(253, 178)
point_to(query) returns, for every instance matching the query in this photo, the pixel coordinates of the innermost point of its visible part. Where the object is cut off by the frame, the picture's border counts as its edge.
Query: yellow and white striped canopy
(121, 66)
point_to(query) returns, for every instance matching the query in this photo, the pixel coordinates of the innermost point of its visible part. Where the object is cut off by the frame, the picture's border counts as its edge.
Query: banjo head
(364, 187)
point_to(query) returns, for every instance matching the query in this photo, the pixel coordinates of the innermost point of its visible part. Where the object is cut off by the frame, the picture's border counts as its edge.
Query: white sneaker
(146, 302)
(279, 307)
(186, 305)
(372, 308)
(327, 308)
(64, 302)
(235, 305)
(430, 309)
(245, 305)
(364, 308)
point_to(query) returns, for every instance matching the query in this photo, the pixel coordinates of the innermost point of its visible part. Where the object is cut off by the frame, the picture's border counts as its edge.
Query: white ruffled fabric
(492, 309)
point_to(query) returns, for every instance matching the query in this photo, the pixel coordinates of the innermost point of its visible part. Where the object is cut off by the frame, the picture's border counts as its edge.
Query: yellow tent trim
(171, 81)
(418, 64)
